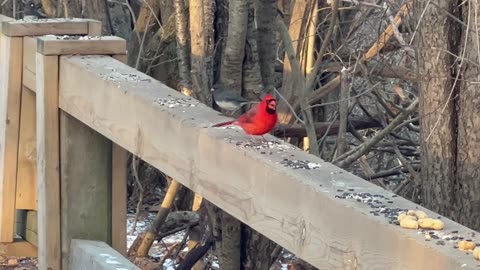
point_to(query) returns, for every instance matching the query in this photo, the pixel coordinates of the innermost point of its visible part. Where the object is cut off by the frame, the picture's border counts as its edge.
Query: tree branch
(348, 158)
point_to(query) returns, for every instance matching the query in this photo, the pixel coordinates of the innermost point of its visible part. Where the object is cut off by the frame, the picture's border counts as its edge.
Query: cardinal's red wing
(249, 116)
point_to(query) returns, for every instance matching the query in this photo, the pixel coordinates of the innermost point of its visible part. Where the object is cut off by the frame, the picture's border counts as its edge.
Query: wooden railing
(91, 109)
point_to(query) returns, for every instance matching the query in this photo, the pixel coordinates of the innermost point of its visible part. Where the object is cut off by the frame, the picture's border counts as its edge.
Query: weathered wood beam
(56, 26)
(81, 45)
(10, 100)
(119, 190)
(26, 189)
(300, 208)
(86, 187)
(119, 199)
(59, 45)
(29, 54)
(85, 170)
(48, 162)
(97, 255)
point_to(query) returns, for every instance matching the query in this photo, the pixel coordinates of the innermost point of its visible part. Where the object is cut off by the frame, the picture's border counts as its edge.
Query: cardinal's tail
(224, 124)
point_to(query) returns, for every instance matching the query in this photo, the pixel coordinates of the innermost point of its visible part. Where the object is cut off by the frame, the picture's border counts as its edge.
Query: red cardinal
(259, 119)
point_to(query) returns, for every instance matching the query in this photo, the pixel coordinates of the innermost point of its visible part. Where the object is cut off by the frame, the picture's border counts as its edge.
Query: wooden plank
(121, 57)
(10, 94)
(119, 190)
(56, 26)
(86, 172)
(18, 248)
(26, 195)
(297, 208)
(119, 199)
(97, 255)
(81, 45)
(29, 54)
(48, 151)
(94, 28)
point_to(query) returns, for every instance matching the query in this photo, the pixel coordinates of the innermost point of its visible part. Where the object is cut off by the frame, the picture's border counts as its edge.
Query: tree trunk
(266, 39)
(290, 79)
(252, 77)
(200, 31)
(234, 52)
(437, 109)
(256, 250)
(183, 48)
(467, 210)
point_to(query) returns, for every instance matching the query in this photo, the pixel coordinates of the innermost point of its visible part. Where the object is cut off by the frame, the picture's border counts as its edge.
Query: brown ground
(18, 263)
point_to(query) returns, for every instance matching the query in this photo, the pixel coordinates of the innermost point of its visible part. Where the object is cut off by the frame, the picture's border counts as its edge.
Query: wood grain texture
(86, 171)
(121, 57)
(55, 45)
(10, 102)
(48, 162)
(296, 208)
(119, 199)
(29, 54)
(26, 195)
(97, 255)
(94, 28)
(21, 28)
(119, 190)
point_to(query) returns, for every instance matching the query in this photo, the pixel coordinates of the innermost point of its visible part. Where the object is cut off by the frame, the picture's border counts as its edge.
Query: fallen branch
(195, 255)
(142, 243)
(387, 34)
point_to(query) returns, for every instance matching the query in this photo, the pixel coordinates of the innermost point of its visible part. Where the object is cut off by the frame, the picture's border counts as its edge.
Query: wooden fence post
(10, 99)
(86, 171)
(119, 190)
(18, 118)
(86, 190)
(48, 162)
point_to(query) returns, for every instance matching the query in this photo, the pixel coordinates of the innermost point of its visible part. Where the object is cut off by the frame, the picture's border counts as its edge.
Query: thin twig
(324, 137)
(405, 162)
(140, 50)
(153, 13)
(169, 252)
(289, 106)
(183, 243)
(311, 78)
(347, 99)
(348, 158)
(140, 190)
